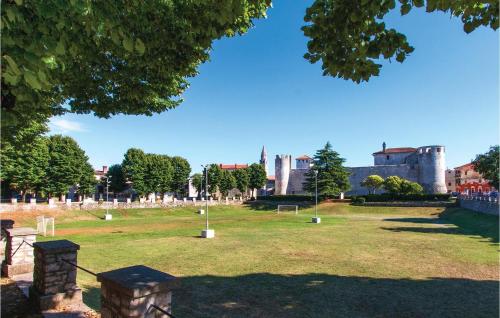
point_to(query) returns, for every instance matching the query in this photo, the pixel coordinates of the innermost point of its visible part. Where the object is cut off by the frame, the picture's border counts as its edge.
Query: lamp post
(206, 233)
(107, 216)
(316, 219)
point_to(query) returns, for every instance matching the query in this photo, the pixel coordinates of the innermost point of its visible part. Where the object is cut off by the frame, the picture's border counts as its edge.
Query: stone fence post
(131, 291)
(19, 251)
(5, 224)
(54, 280)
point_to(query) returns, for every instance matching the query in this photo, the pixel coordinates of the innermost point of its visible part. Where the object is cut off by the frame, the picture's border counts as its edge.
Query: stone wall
(483, 205)
(296, 180)
(358, 174)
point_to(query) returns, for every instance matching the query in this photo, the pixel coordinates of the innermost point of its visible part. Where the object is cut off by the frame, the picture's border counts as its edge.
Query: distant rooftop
(304, 157)
(396, 150)
(232, 166)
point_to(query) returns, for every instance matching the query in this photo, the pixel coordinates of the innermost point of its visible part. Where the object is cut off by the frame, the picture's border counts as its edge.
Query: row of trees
(45, 166)
(149, 173)
(392, 184)
(222, 181)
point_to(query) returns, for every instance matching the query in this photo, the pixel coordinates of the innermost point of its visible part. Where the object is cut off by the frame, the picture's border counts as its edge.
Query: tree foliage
(214, 178)
(134, 169)
(373, 183)
(198, 182)
(396, 186)
(227, 182)
(350, 36)
(242, 179)
(68, 166)
(256, 177)
(117, 178)
(109, 57)
(333, 177)
(487, 165)
(181, 170)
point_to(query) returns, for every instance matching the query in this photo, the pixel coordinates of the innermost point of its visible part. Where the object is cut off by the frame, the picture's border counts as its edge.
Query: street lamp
(206, 233)
(316, 219)
(107, 216)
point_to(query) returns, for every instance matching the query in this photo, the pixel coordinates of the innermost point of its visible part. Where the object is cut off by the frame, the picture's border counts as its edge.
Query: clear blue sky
(258, 90)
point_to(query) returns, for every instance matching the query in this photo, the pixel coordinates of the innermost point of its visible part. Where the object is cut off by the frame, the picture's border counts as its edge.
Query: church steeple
(263, 158)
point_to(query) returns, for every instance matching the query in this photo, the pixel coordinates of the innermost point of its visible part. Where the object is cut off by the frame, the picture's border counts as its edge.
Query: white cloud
(65, 126)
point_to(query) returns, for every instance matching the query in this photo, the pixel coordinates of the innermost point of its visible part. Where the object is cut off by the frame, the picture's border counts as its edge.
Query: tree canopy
(373, 182)
(256, 177)
(333, 177)
(350, 36)
(397, 185)
(487, 165)
(242, 180)
(109, 57)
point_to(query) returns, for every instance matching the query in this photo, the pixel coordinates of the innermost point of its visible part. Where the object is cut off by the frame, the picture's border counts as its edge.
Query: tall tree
(134, 169)
(242, 180)
(108, 57)
(487, 165)
(117, 178)
(198, 182)
(392, 184)
(159, 173)
(214, 178)
(257, 177)
(181, 171)
(227, 182)
(373, 182)
(350, 36)
(333, 177)
(67, 165)
(88, 182)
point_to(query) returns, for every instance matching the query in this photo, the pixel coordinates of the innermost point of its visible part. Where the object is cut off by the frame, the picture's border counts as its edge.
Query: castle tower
(263, 159)
(432, 167)
(282, 166)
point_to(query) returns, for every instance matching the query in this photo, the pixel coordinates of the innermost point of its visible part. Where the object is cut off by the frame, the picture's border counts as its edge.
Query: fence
(482, 204)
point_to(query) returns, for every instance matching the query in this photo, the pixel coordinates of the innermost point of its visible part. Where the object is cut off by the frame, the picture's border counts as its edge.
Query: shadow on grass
(323, 295)
(273, 206)
(467, 222)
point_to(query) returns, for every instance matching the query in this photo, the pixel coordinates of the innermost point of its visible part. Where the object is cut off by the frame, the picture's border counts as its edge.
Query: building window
(449, 184)
(387, 157)
(438, 149)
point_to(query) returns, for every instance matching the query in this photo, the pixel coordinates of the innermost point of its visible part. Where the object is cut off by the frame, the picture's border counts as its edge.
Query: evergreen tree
(134, 169)
(333, 177)
(257, 177)
(181, 170)
(242, 180)
(227, 182)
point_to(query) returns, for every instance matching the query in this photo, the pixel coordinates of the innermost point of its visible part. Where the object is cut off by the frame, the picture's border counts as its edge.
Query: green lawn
(359, 262)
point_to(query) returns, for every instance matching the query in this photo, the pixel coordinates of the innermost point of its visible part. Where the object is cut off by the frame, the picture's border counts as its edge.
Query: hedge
(289, 198)
(386, 197)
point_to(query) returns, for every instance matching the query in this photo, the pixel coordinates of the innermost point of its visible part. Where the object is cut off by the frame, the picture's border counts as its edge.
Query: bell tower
(263, 159)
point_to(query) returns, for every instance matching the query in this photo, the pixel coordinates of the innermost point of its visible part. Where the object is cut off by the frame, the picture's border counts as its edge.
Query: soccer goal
(288, 208)
(42, 223)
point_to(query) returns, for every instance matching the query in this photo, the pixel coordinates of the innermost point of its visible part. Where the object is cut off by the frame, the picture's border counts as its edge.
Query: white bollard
(129, 200)
(194, 200)
(33, 201)
(142, 200)
(13, 200)
(52, 203)
(68, 201)
(115, 201)
(184, 199)
(341, 196)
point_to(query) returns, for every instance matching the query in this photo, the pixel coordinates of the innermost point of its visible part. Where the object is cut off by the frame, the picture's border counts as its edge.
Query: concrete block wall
(483, 205)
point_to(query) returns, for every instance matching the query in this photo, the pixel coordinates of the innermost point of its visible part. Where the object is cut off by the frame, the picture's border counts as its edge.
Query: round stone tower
(432, 167)
(282, 167)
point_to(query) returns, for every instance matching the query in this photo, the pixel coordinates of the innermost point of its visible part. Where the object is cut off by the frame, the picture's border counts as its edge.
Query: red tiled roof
(467, 165)
(304, 157)
(271, 178)
(396, 150)
(233, 166)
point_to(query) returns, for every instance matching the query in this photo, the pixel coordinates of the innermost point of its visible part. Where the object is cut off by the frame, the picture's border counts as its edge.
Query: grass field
(359, 262)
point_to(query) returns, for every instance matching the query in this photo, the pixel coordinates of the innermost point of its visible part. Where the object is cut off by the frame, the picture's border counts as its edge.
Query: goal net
(44, 223)
(288, 208)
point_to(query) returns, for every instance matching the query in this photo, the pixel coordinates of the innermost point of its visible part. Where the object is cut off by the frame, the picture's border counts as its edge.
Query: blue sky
(258, 90)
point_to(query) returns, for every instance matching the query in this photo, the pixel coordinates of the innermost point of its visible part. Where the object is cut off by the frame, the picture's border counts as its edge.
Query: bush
(288, 198)
(358, 200)
(387, 197)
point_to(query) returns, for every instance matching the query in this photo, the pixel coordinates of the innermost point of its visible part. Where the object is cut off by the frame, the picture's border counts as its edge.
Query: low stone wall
(479, 204)
(8, 207)
(438, 204)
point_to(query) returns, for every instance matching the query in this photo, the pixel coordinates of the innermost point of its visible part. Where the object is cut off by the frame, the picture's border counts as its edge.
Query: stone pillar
(227, 201)
(129, 200)
(19, 255)
(54, 281)
(115, 202)
(184, 199)
(130, 292)
(5, 225)
(13, 200)
(68, 202)
(52, 203)
(194, 200)
(33, 201)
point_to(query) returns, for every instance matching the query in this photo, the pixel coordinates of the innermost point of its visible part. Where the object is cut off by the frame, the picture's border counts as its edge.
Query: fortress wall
(295, 181)
(394, 159)
(358, 174)
(431, 160)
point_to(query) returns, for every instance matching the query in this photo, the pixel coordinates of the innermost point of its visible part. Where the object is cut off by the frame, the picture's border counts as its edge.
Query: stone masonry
(5, 224)
(54, 281)
(19, 251)
(131, 292)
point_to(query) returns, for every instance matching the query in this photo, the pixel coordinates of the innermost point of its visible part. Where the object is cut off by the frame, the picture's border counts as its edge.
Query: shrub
(387, 197)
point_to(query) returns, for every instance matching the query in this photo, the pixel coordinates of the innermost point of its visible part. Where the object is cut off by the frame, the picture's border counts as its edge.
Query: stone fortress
(425, 165)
